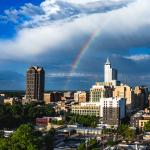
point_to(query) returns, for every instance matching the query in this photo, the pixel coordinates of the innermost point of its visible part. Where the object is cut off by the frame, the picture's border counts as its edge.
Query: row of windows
(86, 113)
(142, 124)
(86, 110)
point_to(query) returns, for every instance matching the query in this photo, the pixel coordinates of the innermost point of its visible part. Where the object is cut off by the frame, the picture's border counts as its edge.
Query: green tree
(129, 134)
(111, 143)
(23, 138)
(4, 144)
(93, 143)
(126, 132)
(81, 147)
(147, 126)
(49, 111)
(49, 139)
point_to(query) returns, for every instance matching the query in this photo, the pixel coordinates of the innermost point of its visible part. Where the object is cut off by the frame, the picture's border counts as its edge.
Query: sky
(71, 40)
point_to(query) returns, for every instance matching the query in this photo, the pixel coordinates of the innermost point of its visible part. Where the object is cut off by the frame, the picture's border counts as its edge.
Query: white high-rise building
(110, 74)
(112, 110)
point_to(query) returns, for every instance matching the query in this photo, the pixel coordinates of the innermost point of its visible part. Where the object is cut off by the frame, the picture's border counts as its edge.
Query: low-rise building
(91, 109)
(145, 118)
(146, 136)
(68, 95)
(44, 121)
(52, 97)
(2, 99)
(134, 120)
(25, 101)
(81, 96)
(10, 101)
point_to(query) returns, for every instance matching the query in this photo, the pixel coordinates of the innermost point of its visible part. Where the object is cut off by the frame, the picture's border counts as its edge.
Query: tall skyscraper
(35, 79)
(110, 74)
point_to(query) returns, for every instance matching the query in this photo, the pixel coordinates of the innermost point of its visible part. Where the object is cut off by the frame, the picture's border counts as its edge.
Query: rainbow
(81, 53)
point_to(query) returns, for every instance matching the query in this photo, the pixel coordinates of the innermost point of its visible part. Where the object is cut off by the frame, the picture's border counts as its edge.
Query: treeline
(26, 138)
(86, 121)
(17, 114)
(18, 94)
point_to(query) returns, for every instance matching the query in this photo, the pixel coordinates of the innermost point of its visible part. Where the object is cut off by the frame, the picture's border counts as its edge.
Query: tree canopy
(17, 114)
(26, 138)
(147, 126)
(126, 132)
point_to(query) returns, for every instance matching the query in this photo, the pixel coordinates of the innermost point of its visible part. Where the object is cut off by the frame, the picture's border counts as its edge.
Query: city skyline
(59, 36)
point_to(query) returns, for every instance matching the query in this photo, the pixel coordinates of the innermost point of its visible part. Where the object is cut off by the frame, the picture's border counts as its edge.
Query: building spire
(107, 61)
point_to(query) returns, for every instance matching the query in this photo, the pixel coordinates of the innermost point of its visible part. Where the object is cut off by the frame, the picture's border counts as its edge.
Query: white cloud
(52, 10)
(31, 42)
(140, 57)
(27, 11)
(124, 25)
(65, 74)
(92, 1)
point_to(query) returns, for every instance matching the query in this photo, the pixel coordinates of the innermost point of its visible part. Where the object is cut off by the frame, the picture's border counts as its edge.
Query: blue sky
(51, 33)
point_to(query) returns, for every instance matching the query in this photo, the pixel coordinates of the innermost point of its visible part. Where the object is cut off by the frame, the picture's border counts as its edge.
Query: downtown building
(101, 90)
(35, 80)
(87, 109)
(112, 100)
(52, 97)
(112, 110)
(126, 92)
(102, 103)
(141, 97)
(81, 96)
(110, 74)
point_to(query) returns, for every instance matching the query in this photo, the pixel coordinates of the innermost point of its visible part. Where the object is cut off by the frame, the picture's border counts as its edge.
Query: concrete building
(141, 97)
(126, 92)
(48, 98)
(10, 101)
(112, 110)
(76, 96)
(145, 118)
(2, 99)
(35, 78)
(110, 74)
(81, 96)
(134, 120)
(100, 90)
(90, 108)
(52, 97)
(146, 136)
(69, 95)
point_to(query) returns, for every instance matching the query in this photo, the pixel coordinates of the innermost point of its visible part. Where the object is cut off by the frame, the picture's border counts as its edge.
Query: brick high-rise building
(35, 78)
